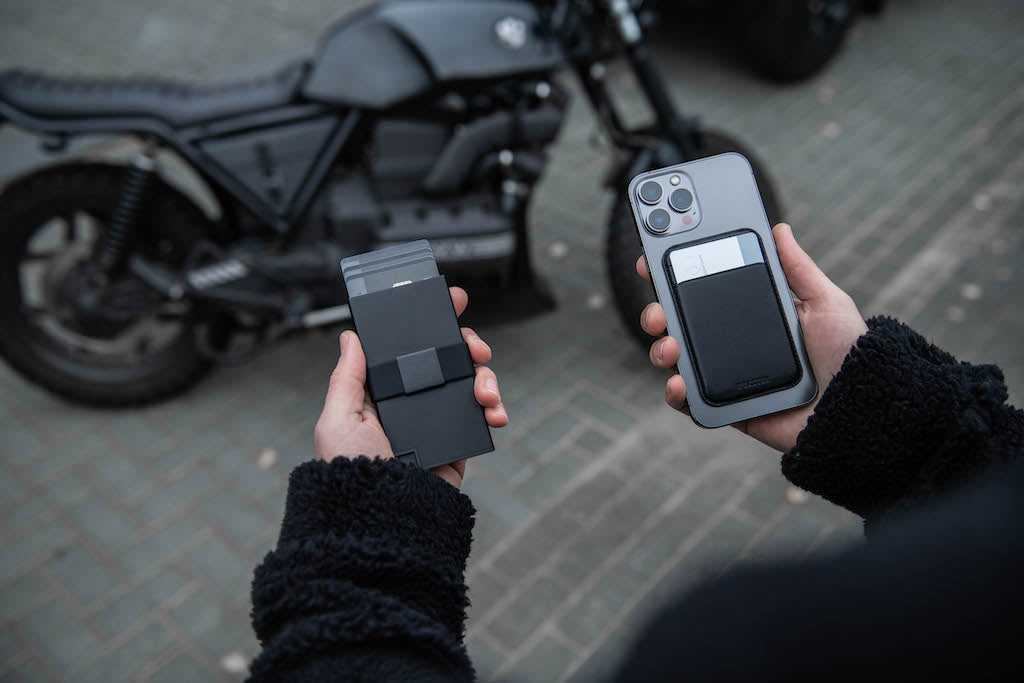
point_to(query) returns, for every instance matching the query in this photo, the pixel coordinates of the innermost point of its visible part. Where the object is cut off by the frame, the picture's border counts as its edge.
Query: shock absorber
(138, 182)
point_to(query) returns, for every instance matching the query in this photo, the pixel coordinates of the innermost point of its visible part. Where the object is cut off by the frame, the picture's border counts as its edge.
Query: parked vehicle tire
(135, 348)
(630, 292)
(790, 40)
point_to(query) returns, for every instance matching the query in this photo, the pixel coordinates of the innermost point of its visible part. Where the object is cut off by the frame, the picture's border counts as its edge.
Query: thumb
(347, 391)
(804, 277)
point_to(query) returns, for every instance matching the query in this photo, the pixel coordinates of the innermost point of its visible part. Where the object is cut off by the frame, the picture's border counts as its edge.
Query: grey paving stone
(548, 432)
(107, 525)
(63, 640)
(485, 590)
(604, 412)
(592, 442)
(16, 438)
(30, 671)
(129, 608)
(85, 578)
(175, 494)
(609, 598)
(183, 668)
(221, 566)
(545, 661)
(216, 628)
(118, 471)
(238, 520)
(21, 593)
(162, 544)
(32, 547)
(528, 611)
(46, 504)
(125, 662)
(485, 657)
(549, 478)
(509, 508)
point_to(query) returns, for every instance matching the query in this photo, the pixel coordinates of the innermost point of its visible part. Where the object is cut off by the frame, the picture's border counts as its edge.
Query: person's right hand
(830, 322)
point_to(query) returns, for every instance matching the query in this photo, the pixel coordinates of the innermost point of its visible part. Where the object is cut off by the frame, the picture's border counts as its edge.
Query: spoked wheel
(631, 293)
(103, 341)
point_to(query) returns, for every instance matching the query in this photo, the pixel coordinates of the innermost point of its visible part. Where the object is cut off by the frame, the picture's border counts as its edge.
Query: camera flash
(674, 180)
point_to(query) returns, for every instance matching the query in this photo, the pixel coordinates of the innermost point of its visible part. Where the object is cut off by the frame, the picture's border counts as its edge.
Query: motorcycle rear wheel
(48, 221)
(630, 292)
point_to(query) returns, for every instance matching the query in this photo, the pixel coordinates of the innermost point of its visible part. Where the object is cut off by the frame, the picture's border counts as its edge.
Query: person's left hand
(349, 426)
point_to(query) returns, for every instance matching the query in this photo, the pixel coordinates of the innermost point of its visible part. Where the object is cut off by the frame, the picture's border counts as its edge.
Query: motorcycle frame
(586, 61)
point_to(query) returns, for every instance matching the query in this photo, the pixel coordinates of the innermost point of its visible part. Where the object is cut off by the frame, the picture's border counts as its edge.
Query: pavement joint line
(990, 327)
(517, 586)
(60, 592)
(29, 646)
(108, 645)
(22, 656)
(187, 644)
(695, 537)
(819, 540)
(654, 517)
(945, 251)
(927, 211)
(938, 167)
(490, 640)
(561, 636)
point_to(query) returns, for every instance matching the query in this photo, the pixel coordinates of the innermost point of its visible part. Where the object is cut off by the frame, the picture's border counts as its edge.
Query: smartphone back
(717, 274)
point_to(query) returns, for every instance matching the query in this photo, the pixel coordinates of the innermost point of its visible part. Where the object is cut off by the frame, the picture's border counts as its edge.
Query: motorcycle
(413, 119)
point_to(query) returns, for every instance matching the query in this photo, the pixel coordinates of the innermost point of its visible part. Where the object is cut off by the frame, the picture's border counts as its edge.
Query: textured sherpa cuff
(367, 497)
(899, 419)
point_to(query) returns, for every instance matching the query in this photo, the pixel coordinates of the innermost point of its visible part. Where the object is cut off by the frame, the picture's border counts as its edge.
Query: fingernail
(344, 340)
(643, 318)
(657, 351)
(500, 408)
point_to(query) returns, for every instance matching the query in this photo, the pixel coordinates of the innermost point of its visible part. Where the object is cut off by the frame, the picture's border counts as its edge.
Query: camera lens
(681, 200)
(658, 220)
(650, 192)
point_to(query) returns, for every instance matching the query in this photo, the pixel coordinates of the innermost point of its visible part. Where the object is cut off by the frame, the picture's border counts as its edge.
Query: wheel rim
(48, 250)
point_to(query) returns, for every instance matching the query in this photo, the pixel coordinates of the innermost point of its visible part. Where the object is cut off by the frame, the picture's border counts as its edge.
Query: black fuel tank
(397, 50)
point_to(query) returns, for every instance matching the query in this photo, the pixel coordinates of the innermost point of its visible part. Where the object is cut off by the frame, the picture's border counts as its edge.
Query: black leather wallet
(737, 337)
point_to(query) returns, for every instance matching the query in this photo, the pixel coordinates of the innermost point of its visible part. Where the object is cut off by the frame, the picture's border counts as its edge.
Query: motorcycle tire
(169, 225)
(630, 292)
(791, 40)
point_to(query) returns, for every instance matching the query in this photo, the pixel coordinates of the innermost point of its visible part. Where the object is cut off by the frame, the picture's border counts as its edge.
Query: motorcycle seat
(174, 102)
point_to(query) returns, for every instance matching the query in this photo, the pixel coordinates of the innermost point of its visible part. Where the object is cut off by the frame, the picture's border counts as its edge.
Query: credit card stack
(419, 372)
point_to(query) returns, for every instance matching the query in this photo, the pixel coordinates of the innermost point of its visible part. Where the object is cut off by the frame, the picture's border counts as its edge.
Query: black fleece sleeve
(366, 582)
(902, 422)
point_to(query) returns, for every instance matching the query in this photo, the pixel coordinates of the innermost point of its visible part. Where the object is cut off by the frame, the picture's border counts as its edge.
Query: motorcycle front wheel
(129, 346)
(622, 249)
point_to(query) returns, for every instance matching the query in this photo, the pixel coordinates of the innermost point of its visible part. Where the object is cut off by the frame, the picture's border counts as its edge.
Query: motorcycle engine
(463, 187)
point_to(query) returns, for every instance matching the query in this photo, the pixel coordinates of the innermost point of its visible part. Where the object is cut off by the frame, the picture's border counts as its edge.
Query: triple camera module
(673, 208)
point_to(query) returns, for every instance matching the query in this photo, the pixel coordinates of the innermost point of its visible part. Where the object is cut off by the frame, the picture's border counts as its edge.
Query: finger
(346, 392)
(479, 351)
(665, 353)
(485, 388)
(804, 277)
(459, 299)
(652, 319)
(451, 472)
(675, 393)
(496, 416)
(641, 268)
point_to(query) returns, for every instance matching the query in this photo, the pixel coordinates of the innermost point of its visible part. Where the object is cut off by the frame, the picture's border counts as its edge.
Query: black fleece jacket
(366, 582)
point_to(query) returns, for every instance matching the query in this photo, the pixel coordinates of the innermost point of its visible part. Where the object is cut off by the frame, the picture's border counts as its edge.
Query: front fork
(115, 242)
(672, 125)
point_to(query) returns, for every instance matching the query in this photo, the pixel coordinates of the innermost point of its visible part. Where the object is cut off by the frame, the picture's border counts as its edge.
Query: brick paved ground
(129, 537)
